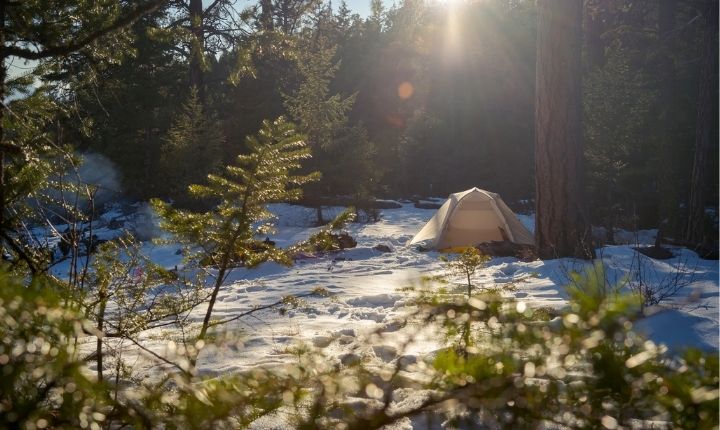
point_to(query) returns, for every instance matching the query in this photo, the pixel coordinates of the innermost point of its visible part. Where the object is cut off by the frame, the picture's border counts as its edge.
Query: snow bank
(365, 286)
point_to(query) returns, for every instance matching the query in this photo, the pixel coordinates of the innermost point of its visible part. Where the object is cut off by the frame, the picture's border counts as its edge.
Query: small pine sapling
(330, 237)
(227, 235)
(192, 149)
(466, 264)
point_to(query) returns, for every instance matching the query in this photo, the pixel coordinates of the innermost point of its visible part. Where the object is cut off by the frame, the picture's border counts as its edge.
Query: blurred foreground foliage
(43, 383)
(585, 368)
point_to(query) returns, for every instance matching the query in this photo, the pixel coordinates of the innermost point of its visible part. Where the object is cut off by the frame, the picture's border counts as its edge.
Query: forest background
(413, 99)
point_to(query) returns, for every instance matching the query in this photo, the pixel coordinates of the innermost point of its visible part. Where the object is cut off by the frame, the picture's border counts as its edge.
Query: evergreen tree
(289, 14)
(342, 152)
(616, 115)
(317, 113)
(706, 132)
(466, 264)
(668, 192)
(639, 98)
(344, 19)
(206, 29)
(125, 111)
(227, 235)
(192, 149)
(56, 35)
(247, 84)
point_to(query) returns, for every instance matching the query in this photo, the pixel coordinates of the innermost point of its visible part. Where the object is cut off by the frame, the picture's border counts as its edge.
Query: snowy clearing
(365, 286)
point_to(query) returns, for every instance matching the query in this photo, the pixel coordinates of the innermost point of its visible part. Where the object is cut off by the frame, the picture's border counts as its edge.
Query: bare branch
(260, 308)
(52, 51)
(153, 353)
(212, 6)
(20, 252)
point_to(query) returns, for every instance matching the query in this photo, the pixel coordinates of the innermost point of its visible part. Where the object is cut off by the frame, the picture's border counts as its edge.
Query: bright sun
(450, 3)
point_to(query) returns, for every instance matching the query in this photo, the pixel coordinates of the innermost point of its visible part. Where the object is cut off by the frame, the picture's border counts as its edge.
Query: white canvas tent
(471, 217)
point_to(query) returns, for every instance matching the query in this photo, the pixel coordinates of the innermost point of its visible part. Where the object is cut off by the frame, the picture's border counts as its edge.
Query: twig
(154, 354)
(260, 308)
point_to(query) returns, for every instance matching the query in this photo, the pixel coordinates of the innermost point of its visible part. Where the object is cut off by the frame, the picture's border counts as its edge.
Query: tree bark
(560, 221)
(100, 326)
(3, 77)
(197, 78)
(666, 176)
(266, 15)
(706, 127)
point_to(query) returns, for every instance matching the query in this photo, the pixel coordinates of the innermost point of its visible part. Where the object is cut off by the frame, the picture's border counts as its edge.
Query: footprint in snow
(322, 341)
(379, 300)
(385, 352)
(347, 332)
(304, 282)
(257, 341)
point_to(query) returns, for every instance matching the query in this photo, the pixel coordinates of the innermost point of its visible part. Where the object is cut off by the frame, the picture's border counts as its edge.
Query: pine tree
(208, 27)
(616, 112)
(342, 151)
(227, 235)
(466, 264)
(50, 34)
(318, 113)
(666, 174)
(706, 130)
(344, 19)
(192, 149)
(131, 107)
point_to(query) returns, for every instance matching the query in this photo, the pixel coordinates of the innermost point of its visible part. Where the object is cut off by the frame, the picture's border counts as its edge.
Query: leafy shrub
(43, 384)
(584, 368)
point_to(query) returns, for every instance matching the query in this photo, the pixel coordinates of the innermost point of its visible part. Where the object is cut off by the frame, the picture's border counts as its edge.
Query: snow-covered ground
(366, 292)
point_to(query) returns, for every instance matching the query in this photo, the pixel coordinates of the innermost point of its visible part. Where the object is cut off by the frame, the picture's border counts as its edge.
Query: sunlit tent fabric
(471, 217)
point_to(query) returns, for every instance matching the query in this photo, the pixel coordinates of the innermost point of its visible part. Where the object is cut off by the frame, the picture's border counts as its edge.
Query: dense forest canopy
(414, 99)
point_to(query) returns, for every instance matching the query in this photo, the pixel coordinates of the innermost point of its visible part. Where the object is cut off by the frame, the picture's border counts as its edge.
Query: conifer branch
(58, 51)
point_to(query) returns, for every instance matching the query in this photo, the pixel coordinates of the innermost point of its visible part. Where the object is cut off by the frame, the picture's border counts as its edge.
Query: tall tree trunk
(3, 76)
(666, 176)
(285, 20)
(266, 15)
(198, 49)
(149, 189)
(706, 127)
(560, 220)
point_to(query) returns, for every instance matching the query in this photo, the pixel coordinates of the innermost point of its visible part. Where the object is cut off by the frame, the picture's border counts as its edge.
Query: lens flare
(405, 90)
